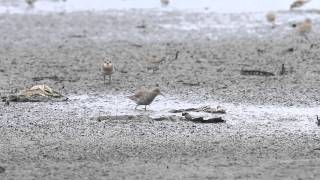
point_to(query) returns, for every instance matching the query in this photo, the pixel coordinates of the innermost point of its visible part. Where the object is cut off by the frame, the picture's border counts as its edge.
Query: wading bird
(304, 27)
(145, 97)
(107, 70)
(271, 18)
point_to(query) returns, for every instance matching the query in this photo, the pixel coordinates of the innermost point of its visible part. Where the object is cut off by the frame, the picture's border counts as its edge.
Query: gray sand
(48, 141)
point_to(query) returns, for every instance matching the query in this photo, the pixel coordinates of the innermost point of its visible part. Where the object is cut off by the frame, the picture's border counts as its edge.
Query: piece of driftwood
(207, 109)
(124, 117)
(191, 83)
(137, 117)
(202, 120)
(77, 36)
(142, 26)
(283, 70)
(290, 49)
(176, 55)
(167, 118)
(256, 73)
(54, 78)
(136, 45)
(37, 93)
(260, 51)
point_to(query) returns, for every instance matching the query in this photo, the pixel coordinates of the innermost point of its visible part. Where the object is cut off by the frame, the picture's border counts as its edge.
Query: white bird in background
(271, 18)
(298, 3)
(304, 27)
(107, 70)
(164, 3)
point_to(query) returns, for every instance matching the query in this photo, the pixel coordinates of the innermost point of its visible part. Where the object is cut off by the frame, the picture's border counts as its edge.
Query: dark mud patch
(2, 169)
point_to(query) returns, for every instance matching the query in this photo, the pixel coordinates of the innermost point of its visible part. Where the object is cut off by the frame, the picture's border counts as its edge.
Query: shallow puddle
(301, 117)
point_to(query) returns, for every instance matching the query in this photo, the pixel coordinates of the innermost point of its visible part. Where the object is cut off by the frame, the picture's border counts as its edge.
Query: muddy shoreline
(59, 140)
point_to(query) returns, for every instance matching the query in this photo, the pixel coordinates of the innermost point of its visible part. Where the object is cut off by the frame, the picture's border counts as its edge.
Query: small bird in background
(30, 3)
(164, 3)
(304, 27)
(298, 3)
(271, 18)
(145, 97)
(107, 70)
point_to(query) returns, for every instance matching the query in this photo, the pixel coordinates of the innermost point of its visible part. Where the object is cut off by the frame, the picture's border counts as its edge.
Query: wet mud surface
(270, 130)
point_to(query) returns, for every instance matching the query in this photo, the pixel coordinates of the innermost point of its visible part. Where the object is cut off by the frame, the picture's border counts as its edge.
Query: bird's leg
(145, 107)
(306, 37)
(109, 79)
(104, 79)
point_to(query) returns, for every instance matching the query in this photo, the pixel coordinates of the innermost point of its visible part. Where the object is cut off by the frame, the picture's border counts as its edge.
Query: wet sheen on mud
(227, 6)
(294, 117)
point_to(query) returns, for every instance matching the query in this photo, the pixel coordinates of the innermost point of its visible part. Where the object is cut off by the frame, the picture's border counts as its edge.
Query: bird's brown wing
(140, 92)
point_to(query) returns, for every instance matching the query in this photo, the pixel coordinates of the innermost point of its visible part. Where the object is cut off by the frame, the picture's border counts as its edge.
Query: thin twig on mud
(256, 72)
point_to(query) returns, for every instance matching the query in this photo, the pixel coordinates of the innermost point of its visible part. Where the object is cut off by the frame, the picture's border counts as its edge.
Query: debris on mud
(142, 26)
(37, 93)
(2, 170)
(77, 36)
(122, 117)
(283, 70)
(54, 78)
(176, 55)
(191, 83)
(202, 120)
(138, 118)
(167, 118)
(207, 109)
(256, 73)
(185, 116)
(289, 50)
(136, 45)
